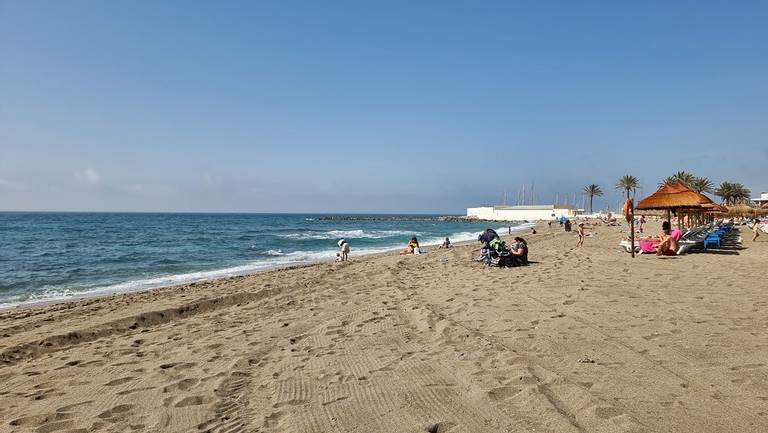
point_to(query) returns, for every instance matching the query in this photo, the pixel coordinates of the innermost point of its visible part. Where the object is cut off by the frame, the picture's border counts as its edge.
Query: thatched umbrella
(676, 197)
(714, 208)
(742, 210)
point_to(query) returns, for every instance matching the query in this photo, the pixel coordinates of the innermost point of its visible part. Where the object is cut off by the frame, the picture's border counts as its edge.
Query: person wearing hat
(343, 250)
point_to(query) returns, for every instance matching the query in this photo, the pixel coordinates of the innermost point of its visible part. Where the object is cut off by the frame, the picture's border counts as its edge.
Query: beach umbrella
(675, 197)
(714, 208)
(741, 210)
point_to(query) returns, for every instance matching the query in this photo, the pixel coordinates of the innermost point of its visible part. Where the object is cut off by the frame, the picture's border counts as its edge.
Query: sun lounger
(713, 238)
(625, 244)
(692, 238)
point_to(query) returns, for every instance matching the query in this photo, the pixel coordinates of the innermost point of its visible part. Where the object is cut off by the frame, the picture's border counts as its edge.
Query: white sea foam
(346, 234)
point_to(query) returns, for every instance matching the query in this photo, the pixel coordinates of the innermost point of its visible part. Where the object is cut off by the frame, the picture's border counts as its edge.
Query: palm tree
(732, 193)
(628, 183)
(724, 191)
(681, 176)
(740, 193)
(701, 185)
(592, 191)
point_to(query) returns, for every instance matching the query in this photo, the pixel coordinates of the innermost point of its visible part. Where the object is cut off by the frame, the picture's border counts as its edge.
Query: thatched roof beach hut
(678, 199)
(674, 196)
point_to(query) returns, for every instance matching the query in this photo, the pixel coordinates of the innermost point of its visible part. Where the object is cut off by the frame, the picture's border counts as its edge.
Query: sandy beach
(582, 340)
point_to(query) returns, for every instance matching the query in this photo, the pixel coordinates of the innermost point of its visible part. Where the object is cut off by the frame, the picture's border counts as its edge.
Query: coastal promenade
(582, 340)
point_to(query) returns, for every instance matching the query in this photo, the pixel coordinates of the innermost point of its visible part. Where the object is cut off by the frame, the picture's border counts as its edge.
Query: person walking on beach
(343, 250)
(582, 232)
(641, 222)
(755, 229)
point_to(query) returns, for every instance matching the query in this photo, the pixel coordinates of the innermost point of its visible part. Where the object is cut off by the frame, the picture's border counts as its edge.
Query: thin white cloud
(10, 185)
(91, 175)
(133, 189)
(207, 180)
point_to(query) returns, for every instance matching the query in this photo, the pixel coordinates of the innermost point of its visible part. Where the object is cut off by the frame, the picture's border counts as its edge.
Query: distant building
(762, 200)
(522, 213)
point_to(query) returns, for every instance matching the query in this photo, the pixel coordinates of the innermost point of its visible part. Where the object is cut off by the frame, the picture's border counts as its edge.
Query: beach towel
(648, 246)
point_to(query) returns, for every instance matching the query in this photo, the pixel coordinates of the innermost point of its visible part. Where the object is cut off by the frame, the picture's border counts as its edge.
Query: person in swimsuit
(582, 232)
(755, 229)
(412, 247)
(667, 243)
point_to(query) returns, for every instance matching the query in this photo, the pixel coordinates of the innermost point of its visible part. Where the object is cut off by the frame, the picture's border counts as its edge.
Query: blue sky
(372, 106)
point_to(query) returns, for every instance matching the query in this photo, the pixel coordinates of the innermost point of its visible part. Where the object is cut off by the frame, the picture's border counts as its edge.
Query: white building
(762, 200)
(522, 213)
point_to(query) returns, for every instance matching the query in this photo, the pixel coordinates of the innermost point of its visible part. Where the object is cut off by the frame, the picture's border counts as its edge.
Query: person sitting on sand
(343, 250)
(519, 251)
(533, 230)
(412, 247)
(446, 244)
(667, 242)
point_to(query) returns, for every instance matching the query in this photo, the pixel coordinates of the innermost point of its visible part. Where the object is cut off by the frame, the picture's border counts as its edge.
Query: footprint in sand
(441, 427)
(607, 412)
(120, 381)
(38, 420)
(503, 393)
(115, 412)
(194, 400)
(182, 385)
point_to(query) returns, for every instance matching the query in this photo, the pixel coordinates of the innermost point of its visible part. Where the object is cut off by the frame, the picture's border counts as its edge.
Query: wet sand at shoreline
(582, 340)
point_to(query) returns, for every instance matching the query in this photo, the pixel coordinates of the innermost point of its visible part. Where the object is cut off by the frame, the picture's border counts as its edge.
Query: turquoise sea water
(52, 256)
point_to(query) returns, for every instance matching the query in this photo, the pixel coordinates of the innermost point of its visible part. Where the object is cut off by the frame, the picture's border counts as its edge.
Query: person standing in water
(343, 250)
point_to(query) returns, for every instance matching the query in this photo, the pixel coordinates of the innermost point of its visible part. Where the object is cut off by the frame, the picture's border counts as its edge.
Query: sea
(58, 256)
